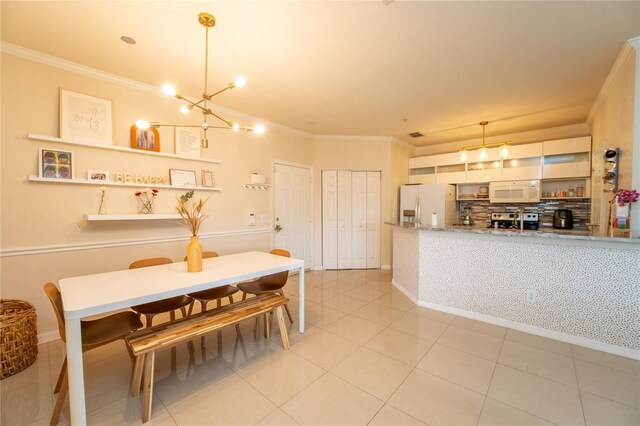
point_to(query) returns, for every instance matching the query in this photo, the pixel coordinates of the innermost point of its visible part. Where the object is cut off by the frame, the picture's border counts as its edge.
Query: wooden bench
(144, 343)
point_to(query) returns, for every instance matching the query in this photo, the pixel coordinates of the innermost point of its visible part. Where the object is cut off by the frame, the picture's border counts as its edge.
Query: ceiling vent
(416, 135)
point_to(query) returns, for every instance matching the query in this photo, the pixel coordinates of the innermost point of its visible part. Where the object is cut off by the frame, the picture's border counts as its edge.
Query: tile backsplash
(480, 211)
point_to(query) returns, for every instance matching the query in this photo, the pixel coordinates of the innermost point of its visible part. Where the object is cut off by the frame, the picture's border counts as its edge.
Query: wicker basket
(18, 336)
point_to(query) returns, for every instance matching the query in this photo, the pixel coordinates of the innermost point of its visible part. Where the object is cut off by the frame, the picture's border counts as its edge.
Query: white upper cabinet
(450, 168)
(526, 151)
(447, 159)
(420, 162)
(524, 162)
(422, 169)
(567, 158)
(566, 146)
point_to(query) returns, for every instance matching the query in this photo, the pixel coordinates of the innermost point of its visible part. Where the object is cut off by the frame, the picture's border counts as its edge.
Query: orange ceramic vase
(194, 255)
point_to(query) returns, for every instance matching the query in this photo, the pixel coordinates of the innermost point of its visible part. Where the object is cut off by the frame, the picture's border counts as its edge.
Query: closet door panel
(373, 220)
(344, 219)
(359, 216)
(329, 219)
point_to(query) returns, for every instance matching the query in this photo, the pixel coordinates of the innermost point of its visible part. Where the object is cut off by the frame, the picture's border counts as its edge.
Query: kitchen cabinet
(450, 168)
(551, 188)
(483, 171)
(422, 169)
(524, 162)
(566, 158)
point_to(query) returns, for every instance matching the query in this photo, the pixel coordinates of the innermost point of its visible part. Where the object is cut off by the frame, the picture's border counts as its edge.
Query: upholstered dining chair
(95, 333)
(150, 310)
(273, 283)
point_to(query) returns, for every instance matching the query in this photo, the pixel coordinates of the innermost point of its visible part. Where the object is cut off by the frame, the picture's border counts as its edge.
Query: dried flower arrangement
(146, 197)
(626, 196)
(191, 212)
(102, 209)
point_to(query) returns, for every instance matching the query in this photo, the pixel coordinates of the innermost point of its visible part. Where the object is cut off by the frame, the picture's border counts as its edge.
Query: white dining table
(97, 294)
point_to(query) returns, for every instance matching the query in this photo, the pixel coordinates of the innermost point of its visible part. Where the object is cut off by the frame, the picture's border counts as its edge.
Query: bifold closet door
(344, 220)
(330, 219)
(373, 220)
(359, 218)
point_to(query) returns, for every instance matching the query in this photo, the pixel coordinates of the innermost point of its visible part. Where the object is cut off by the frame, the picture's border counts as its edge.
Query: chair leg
(136, 378)
(244, 295)
(230, 299)
(286, 307)
(184, 311)
(147, 396)
(64, 389)
(283, 328)
(172, 315)
(63, 371)
(193, 302)
(148, 319)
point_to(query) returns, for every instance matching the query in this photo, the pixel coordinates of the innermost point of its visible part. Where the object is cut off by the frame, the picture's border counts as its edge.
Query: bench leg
(283, 328)
(147, 395)
(136, 377)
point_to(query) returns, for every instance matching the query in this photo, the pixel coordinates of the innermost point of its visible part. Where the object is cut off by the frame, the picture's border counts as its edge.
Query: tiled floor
(369, 356)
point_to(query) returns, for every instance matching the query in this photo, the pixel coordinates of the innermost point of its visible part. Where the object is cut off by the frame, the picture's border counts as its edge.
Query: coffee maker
(563, 219)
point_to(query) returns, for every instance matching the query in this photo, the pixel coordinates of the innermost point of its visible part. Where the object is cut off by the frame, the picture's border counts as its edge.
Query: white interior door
(373, 220)
(344, 219)
(292, 210)
(329, 219)
(359, 220)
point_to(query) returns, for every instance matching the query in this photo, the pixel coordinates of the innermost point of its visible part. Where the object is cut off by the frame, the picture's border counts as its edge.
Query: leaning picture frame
(97, 175)
(182, 178)
(146, 139)
(85, 119)
(207, 179)
(55, 164)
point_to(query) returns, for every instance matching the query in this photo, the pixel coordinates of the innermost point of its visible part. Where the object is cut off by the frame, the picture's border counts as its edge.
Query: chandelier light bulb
(142, 124)
(463, 156)
(504, 153)
(483, 154)
(240, 81)
(235, 127)
(205, 126)
(258, 129)
(185, 109)
(168, 89)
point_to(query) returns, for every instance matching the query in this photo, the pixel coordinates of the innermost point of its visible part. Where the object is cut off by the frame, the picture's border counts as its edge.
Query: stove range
(506, 220)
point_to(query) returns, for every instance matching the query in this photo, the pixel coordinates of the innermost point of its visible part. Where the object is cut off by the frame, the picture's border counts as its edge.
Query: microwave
(524, 191)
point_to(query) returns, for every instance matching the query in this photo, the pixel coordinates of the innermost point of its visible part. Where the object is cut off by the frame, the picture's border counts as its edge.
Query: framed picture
(55, 164)
(85, 119)
(207, 179)
(147, 139)
(188, 142)
(186, 178)
(98, 175)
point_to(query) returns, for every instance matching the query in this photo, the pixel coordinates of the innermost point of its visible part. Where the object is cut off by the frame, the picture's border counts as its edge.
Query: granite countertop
(544, 232)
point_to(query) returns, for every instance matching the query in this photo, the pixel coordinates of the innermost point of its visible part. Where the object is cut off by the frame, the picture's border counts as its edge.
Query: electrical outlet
(532, 296)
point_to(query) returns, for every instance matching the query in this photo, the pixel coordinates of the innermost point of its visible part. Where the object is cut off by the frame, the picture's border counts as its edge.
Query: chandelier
(482, 149)
(207, 21)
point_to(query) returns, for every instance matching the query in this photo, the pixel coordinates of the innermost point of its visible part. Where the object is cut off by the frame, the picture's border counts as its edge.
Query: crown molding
(54, 61)
(353, 138)
(403, 143)
(627, 51)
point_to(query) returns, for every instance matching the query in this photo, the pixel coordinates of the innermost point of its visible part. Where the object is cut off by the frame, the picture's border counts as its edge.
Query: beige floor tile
(332, 401)
(543, 398)
(248, 351)
(608, 383)
(320, 315)
(325, 349)
(400, 346)
(472, 342)
(461, 368)
(432, 314)
(378, 313)
(356, 329)
(389, 416)
(313, 295)
(39, 373)
(25, 404)
(600, 411)
(626, 365)
(231, 401)
(479, 326)
(102, 376)
(282, 376)
(495, 413)
(373, 372)
(419, 326)
(546, 364)
(367, 293)
(344, 303)
(277, 418)
(129, 412)
(395, 300)
(436, 401)
(539, 342)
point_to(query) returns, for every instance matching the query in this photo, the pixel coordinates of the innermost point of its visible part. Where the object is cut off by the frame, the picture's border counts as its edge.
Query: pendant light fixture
(207, 21)
(483, 154)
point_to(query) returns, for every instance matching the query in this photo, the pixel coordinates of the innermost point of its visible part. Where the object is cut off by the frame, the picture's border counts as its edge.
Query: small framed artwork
(207, 179)
(55, 164)
(147, 139)
(98, 175)
(185, 178)
(85, 119)
(188, 142)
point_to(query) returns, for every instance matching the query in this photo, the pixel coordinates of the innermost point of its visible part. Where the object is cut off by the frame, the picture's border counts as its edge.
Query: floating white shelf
(120, 148)
(83, 181)
(257, 186)
(111, 217)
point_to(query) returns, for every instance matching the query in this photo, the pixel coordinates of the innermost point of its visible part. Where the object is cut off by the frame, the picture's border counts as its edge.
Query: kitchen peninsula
(576, 288)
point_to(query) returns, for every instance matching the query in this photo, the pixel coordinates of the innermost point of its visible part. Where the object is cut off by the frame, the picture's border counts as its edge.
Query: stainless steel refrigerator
(419, 202)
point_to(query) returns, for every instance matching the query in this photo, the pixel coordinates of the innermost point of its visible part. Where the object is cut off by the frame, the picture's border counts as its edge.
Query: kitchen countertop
(544, 232)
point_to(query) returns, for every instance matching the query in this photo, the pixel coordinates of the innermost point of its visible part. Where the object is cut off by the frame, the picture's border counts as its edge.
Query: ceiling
(378, 68)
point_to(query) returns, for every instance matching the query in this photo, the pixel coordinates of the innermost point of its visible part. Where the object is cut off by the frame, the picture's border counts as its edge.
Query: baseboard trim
(49, 336)
(317, 268)
(526, 328)
(385, 267)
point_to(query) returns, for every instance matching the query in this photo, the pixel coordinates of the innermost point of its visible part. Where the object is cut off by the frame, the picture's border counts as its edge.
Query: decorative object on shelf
(146, 197)
(192, 217)
(19, 336)
(207, 21)
(482, 149)
(85, 119)
(187, 142)
(184, 178)
(146, 139)
(207, 179)
(102, 208)
(55, 164)
(98, 175)
(623, 200)
(258, 178)
(610, 176)
(123, 177)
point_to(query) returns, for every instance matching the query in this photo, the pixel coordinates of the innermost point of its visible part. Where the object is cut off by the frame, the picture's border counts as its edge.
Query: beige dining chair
(273, 283)
(95, 333)
(150, 310)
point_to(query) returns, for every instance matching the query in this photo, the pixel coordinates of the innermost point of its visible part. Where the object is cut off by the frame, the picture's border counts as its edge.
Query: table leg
(76, 372)
(301, 291)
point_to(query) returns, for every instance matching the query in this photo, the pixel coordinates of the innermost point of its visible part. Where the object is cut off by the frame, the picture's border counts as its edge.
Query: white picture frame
(182, 178)
(56, 164)
(208, 181)
(97, 175)
(188, 142)
(85, 119)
